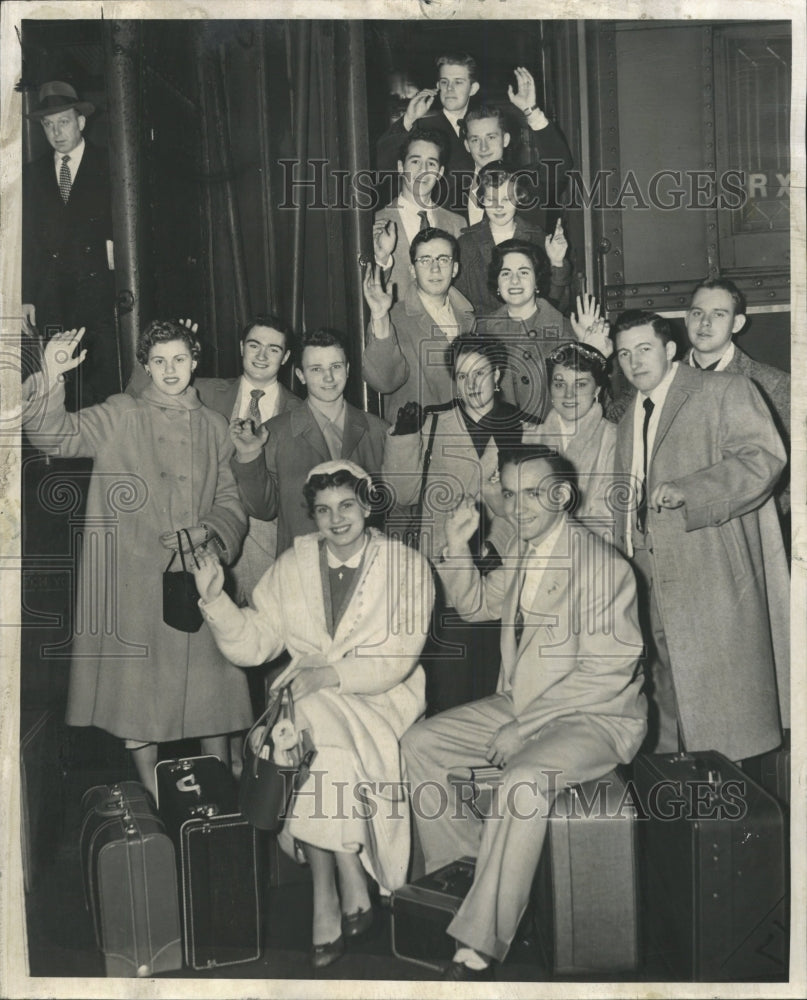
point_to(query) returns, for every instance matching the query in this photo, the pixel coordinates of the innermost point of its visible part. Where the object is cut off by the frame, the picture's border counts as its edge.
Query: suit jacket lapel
(354, 431)
(304, 425)
(676, 397)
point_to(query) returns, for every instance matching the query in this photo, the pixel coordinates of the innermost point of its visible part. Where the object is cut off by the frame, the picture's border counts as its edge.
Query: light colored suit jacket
(581, 644)
(717, 443)
(399, 274)
(411, 364)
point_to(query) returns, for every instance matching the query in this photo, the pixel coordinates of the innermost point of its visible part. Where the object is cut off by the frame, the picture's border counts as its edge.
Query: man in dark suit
(456, 85)
(67, 278)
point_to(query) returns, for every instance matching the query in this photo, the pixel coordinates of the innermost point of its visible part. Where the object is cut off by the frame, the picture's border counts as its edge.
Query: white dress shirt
(267, 404)
(74, 158)
(443, 316)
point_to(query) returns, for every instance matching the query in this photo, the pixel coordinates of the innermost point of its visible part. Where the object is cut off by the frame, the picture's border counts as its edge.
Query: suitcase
(772, 770)
(218, 859)
(130, 881)
(586, 889)
(422, 911)
(42, 802)
(715, 849)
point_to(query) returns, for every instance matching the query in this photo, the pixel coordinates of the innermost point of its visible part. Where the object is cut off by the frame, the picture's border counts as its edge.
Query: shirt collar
(74, 155)
(726, 358)
(334, 562)
(659, 394)
(546, 543)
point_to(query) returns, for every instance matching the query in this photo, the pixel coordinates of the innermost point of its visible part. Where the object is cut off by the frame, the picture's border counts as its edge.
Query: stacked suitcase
(715, 853)
(585, 894)
(130, 881)
(218, 862)
(184, 882)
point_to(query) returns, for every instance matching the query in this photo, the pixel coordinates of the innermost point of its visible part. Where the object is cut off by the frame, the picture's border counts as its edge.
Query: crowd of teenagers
(561, 546)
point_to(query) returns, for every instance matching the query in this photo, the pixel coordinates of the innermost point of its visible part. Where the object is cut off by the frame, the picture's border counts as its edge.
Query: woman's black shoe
(357, 923)
(460, 972)
(323, 955)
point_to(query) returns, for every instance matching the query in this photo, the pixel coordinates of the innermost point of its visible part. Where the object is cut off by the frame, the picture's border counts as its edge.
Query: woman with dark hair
(576, 427)
(352, 608)
(454, 455)
(161, 466)
(499, 193)
(529, 326)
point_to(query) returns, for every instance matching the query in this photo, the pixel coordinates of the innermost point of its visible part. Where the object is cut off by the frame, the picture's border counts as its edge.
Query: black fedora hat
(56, 96)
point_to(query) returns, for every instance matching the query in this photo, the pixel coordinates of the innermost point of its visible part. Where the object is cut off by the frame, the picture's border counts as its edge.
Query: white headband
(339, 465)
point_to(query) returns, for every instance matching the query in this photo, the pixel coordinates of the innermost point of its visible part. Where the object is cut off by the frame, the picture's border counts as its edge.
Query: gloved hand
(409, 419)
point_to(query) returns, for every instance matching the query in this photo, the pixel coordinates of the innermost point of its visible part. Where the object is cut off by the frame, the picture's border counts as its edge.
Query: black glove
(409, 419)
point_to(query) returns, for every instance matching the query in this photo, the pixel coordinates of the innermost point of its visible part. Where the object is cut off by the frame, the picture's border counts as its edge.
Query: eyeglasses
(443, 260)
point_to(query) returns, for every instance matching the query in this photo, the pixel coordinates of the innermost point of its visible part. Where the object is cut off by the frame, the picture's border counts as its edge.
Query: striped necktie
(65, 183)
(641, 513)
(424, 220)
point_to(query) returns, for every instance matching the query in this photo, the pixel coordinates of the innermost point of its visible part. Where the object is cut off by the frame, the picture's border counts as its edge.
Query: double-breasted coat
(717, 443)
(160, 464)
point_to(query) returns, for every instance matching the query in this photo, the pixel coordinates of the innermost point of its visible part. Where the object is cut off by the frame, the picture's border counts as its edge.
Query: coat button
(525, 380)
(528, 355)
(55, 255)
(182, 479)
(532, 334)
(87, 249)
(163, 475)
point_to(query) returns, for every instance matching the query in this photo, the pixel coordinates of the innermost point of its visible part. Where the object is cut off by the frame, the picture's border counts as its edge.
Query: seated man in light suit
(421, 164)
(569, 706)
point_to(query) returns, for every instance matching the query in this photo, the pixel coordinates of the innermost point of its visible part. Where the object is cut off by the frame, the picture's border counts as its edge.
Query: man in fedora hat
(67, 278)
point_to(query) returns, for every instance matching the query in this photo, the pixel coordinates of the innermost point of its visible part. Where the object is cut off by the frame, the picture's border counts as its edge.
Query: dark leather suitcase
(42, 803)
(422, 911)
(130, 881)
(715, 851)
(219, 864)
(586, 888)
(772, 770)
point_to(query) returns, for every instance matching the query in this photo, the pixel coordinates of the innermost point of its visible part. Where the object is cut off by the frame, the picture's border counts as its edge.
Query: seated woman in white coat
(577, 428)
(352, 607)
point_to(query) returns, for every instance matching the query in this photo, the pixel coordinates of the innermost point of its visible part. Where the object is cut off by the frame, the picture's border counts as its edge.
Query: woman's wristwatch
(212, 538)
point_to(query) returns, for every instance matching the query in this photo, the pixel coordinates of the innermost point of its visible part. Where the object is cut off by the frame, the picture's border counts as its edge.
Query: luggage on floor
(41, 790)
(218, 858)
(130, 881)
(422, 911)
(772, 770)
(715, 853)
(586, 889)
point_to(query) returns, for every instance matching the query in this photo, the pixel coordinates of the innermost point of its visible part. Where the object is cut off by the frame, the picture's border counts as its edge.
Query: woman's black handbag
(266, 785)
(180, 596)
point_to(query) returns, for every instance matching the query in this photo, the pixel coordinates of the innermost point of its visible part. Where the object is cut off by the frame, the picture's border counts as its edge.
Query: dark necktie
(424, 220)
(64, 179)
(518, 617)
(705, 368)
(641, 513)
(461, 128)
(254, 411)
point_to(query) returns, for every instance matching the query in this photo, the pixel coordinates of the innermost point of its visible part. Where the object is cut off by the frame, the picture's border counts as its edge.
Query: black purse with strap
(180, 596)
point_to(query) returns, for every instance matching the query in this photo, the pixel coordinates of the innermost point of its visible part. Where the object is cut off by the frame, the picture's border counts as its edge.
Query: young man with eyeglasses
(406, 343)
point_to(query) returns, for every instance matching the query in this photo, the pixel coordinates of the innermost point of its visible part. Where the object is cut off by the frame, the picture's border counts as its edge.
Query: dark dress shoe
(357, 923)
(460, 972)
(323, 955)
